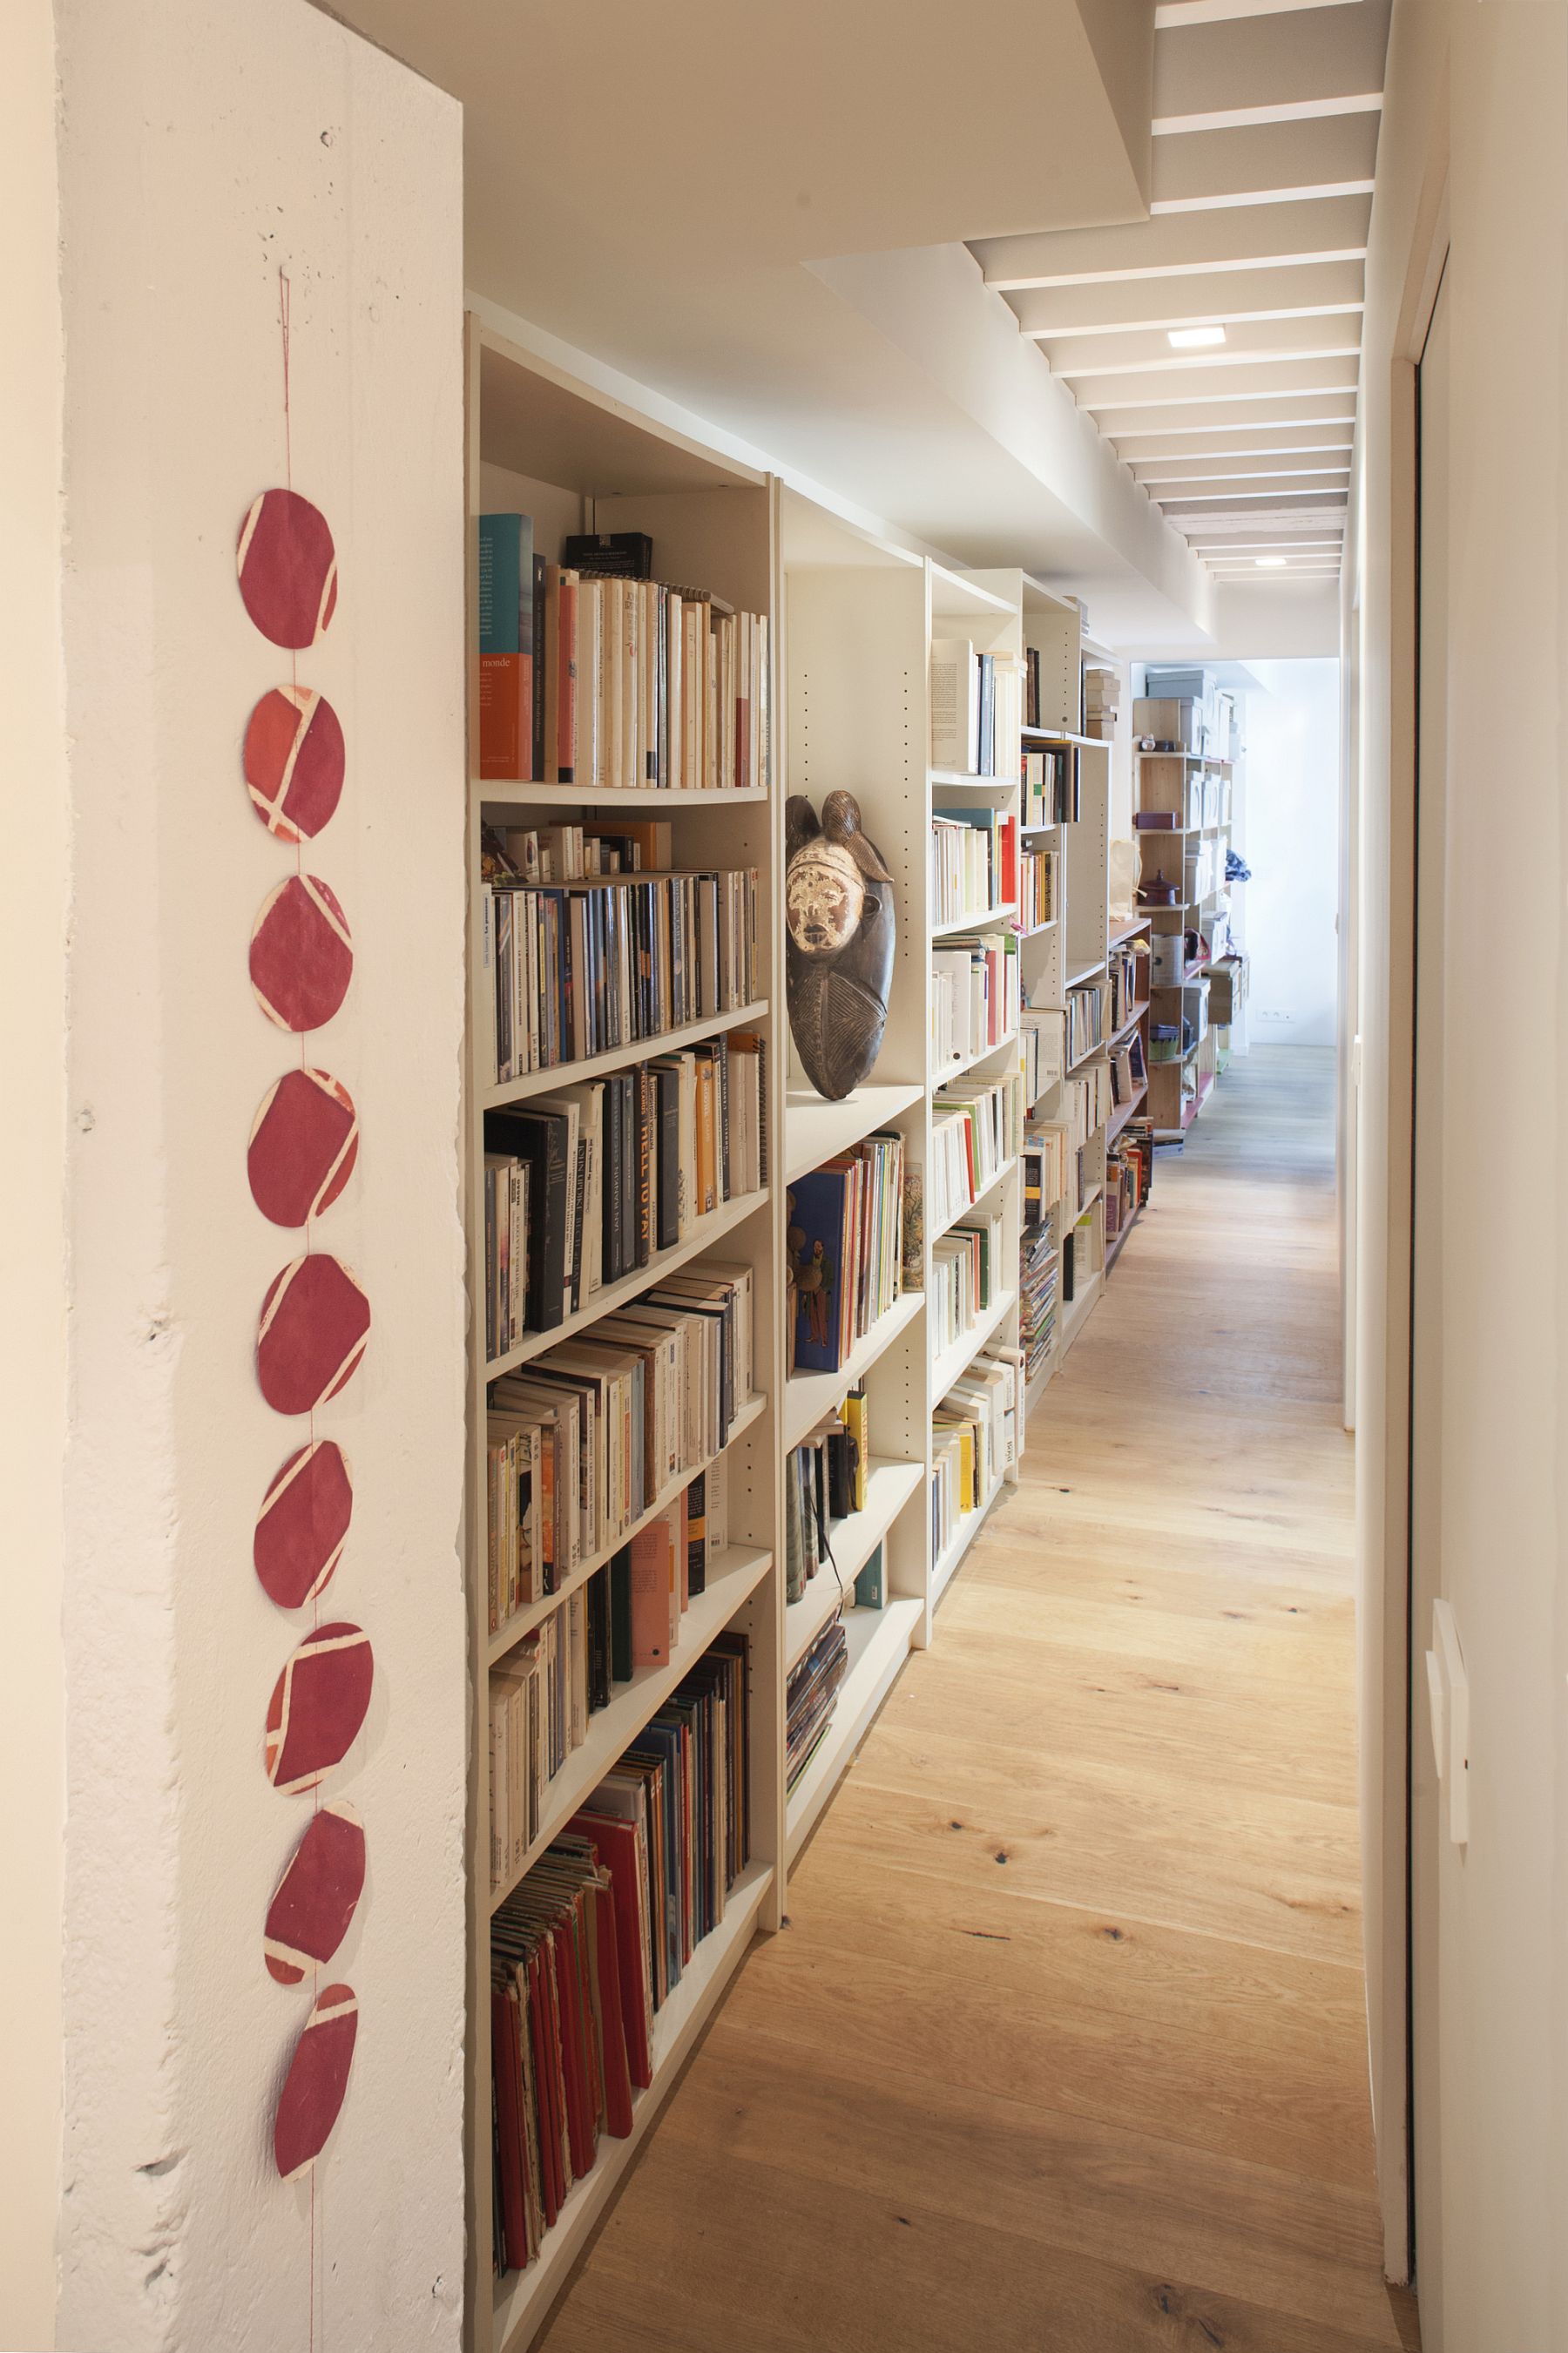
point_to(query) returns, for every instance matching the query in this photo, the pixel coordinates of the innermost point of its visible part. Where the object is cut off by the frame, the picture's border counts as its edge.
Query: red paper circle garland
(315, 1321)
(304, 1145)
(288, 568)
(318, 1705)
(294, 761)
(315, 1900)
(303, 1525)
(312, 2095)
(301, 957)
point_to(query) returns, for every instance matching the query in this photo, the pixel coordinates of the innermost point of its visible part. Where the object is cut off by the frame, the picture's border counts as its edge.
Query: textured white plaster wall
(34, 894)
(202, 145)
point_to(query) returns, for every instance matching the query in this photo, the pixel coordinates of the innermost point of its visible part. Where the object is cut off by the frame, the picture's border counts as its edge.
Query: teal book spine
(500, 582)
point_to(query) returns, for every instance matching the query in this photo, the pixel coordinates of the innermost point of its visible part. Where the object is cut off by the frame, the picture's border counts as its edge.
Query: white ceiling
(1266, 115)
(662, 188)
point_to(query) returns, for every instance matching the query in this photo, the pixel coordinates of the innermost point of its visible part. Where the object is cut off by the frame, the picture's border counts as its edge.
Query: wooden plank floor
(1064, 2046)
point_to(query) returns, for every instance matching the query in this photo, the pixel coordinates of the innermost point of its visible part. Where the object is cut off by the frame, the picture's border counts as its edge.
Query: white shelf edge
(808, 1396)
(534, 1613)
(605, 1300)
(972, 1061)
(958, 1358)
(521, 2300)
(513, 792)
(826, 1129)
(990, 919)
(866, 1685)
(738, 1571)
(507, 1092)
(855, 1539)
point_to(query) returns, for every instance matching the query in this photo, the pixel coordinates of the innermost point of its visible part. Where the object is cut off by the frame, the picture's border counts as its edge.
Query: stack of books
(973, 1443)
(1043, 1045)
(974, 862)
(1101, 703)
(968, 1273)
(588, 1948)
(1036, 889)
(605, 1426)
(846, 1242)
(825, 1480)
(1127, 1071)
(612, 683)
(1037, 1268)
(573, 969)
(975, 996)
(1086, 1019)
(1127, 972)
(1049, 783)
(585, 1185)
(811, 1696)
(976, 1128)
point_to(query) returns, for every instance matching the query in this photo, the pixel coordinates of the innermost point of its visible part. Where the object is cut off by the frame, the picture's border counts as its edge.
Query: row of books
(1127, 1069)
(974, 862)
(1036, 889)
(1082, 1253)
(976, 708)
(1127, 977)
(576, 853)
(584, 1185)
(811, 1694)
(845, 1241)
(1049, 794)
(582, 1440)
(974, 1437)
(613, 682)
(587, 1949)
(573, 969)
(969, 1273)
(1037, 1271)
(1053, 1150)
(825, 1480)
(624, 1619)
(1086, 1019)
(975, 996)
(1043, 1044)
(976, 1128)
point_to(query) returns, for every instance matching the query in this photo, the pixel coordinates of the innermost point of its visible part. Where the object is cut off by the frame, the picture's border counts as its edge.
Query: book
(954, 705)
(506, 645)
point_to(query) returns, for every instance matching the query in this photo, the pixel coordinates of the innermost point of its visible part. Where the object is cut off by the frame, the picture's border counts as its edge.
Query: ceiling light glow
(1193, 338)
(1270, 562)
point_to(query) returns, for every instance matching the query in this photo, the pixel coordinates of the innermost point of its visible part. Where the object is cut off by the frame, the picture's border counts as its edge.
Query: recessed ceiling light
(1270, 563)
(1193, 338)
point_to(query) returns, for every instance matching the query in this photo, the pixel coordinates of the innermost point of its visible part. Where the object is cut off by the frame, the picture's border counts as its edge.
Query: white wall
(203, 146)
(33, 901)
(1291, 840)
(1475, 134)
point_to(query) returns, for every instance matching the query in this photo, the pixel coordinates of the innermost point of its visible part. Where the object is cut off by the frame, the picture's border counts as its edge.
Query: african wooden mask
(839, 911)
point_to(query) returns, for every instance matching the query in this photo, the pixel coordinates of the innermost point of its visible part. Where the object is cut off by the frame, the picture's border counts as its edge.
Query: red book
(507, 2070)
(650, 1595)
(579, 2116)
(506, 715)
(1009, 830)
(547, 2089)
(616, 1842)
(618, 2071)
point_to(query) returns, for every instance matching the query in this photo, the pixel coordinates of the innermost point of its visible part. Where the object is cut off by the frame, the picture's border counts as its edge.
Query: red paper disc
(315, 1321)
(301, 957)
(288, 568)
(294, 761)
(308, 1916)
(303, 1525)
(304, 1145)
(317, 1707)
(312, 2099)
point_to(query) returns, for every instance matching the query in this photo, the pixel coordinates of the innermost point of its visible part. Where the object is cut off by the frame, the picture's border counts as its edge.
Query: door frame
(1389, 1637)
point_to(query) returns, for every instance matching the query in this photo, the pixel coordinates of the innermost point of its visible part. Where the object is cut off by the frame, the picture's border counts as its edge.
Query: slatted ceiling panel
(1267, 115)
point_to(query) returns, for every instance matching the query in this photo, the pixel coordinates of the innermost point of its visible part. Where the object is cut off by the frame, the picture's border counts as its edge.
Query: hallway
(1084, 1915)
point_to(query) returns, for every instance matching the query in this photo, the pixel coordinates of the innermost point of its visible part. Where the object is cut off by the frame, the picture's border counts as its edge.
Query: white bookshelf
(542, 444)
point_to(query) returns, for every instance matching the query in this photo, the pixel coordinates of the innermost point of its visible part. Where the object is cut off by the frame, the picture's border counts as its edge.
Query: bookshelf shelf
(1087, 1056)
(603, 800)
(1033, 931)
(880, 1641)
(988, 918)
(705, 1232)
(940, 1078)
(593, 1066)
(1114, 1247)
(731, 1577)
(1077, 1310)
(969, 1207)
(954, 1361)
(521, 2300)
(1077, 979)
(958, 780)
(808, 1396)
(964, 1535)
(816, 1130)
(523, 1621)
(1130, 1023)
(855, 1539)
(1123, 1112)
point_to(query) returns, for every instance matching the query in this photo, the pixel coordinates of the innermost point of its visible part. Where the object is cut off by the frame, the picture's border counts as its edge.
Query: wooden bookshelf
(544, 444)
